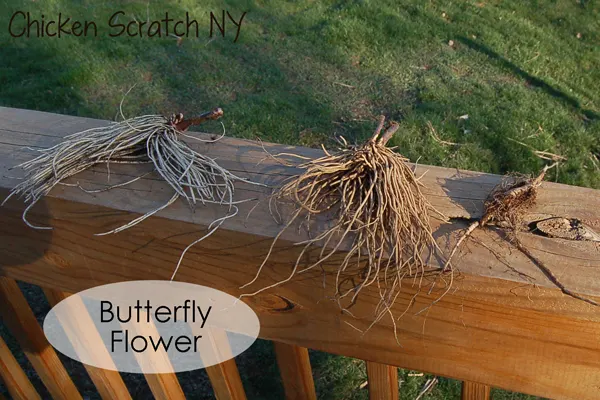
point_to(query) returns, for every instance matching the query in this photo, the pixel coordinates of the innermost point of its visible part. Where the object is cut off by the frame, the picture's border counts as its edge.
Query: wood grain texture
(226, 382)
(475, 391)
(456, 193)
(224, 377)
(492, 328)
(18, 385)
(164, 386)
(109, 383)
(295, 371)
(21, 322)
(383, 381)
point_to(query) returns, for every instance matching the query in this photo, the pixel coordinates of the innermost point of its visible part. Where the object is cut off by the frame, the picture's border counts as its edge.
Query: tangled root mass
(381, 218)
(152, 139)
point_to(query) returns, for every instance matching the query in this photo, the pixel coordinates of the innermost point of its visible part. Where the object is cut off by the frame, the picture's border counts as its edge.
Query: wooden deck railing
(492, 329)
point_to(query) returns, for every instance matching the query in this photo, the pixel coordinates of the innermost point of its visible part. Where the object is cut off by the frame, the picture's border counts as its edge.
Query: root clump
(381, 219)
(148, 139)
(139, 140)
(505, 207)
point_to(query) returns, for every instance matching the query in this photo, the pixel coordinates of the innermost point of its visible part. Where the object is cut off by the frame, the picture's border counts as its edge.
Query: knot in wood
(567, 228)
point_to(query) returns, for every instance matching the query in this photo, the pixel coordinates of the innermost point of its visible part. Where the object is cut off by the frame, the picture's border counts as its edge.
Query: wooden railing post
(17, 383)
(492, 313)
(226, 382)
(475, 391)
(164, 386)
(224, 377)
(295, 370)
(109, 383)
(21, 321)
(383, 381)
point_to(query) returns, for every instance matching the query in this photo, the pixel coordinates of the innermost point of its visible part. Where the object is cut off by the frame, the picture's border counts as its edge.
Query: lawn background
(481, 72)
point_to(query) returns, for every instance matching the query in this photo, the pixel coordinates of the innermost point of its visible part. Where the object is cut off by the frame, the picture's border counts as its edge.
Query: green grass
(517, 69)
(304, 71)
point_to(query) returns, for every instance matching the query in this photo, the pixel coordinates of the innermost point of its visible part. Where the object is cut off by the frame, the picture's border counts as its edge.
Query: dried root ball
(507, 202)
(381, 218)
(505, 205)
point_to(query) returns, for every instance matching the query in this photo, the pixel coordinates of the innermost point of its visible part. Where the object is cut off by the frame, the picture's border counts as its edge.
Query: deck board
(492, 328)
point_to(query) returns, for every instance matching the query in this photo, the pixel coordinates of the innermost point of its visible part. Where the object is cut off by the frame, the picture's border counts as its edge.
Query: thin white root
(153, 139)
(465, 233)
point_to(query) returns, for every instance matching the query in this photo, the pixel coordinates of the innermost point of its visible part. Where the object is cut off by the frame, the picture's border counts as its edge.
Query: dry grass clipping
(505, 207)
(380, 219)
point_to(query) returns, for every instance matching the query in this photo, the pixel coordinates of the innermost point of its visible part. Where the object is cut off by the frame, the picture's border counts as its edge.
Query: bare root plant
(150, 139)
(505, 207)
(381, 220)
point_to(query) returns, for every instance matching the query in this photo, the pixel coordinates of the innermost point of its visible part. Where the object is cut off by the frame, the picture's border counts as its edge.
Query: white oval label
(151, 326)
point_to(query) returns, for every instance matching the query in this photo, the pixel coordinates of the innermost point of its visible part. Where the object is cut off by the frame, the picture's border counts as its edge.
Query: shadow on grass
(532, 80)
